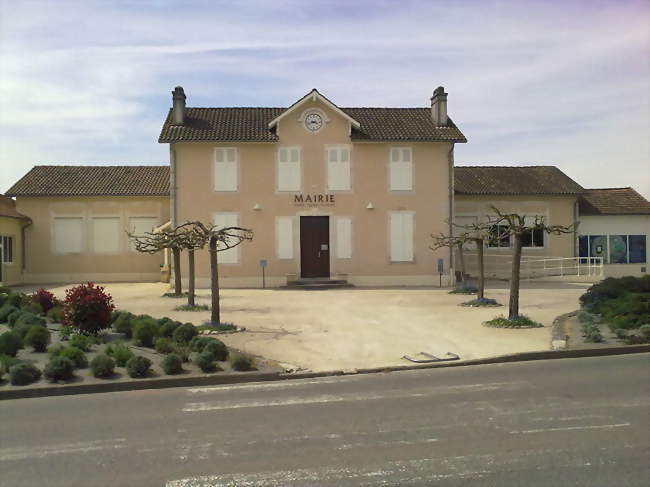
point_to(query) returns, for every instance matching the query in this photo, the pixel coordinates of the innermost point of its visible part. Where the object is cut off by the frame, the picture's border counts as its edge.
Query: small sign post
(263, 264)
(441, 269)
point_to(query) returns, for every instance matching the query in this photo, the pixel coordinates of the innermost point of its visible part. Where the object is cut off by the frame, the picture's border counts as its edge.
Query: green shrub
(164, 345)
(163, 320)
(218, 327)
(7, 361)
(481, 303)
(183, 351)
(521, 321)
(206, 362)
(167, 328)
(634, 339)
(77, 356)
(217, 348)
(464, 290)
(196, 307)
(82, 342)
(593, 336)
(145, 331)
(124, 324)
(59, 368)
(102, 366)
(138, 366)
(55, 315)
(34, 308)
(23, 373)
(38, 337)
(27, 318)
(13, 316)
(241, 362)
(185, 333)
(5, 310)
(172, 364)
(17, 299)
(65, 332)
(120, 353)
(10, 343)
(198, 342)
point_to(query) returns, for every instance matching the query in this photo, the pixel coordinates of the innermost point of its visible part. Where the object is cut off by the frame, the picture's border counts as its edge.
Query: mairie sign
(313, 199)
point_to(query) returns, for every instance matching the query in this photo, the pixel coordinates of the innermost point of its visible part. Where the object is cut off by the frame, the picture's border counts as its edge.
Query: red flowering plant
(45, 298)
(88, 308)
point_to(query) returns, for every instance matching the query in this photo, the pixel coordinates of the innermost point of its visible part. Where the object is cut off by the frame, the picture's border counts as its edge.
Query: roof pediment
(314, 96)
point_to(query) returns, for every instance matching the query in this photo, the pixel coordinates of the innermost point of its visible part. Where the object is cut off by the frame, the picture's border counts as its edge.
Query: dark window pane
(499, 236)
(598, 246)
(538, 238)
(527, 239)
(637, 249)
(583, 248)
(618, 249)
(10, 249)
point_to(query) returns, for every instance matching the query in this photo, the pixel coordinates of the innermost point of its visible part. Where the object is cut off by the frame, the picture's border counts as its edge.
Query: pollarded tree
(189, 236)
(153, 242)
(518, 226)
(475, 232)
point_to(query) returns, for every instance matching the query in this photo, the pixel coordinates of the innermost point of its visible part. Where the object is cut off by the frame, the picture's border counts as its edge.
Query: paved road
(573, 422)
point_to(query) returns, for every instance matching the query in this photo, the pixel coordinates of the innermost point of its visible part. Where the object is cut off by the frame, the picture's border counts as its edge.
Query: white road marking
(22, 453)
(332, 398)
(570, 428)
(268, 385)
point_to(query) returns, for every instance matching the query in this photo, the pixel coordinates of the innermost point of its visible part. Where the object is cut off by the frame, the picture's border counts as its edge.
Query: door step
(318, 284)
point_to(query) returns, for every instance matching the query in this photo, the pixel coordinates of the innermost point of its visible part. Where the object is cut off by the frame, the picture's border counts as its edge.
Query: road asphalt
(569, 422)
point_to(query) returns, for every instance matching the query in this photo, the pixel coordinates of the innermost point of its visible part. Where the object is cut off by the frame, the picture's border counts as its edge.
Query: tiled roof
(251, 125)
(93, 181)
(513, 180)
(8, 209)
(613, 201)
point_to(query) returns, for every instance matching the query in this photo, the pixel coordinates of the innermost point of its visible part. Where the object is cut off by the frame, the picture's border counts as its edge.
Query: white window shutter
(343, 238)
(225, 169)
(401, 237)
(106, 234)
(338, 169)
(289, 169)
(223, 220)
(68, 235)
(284, 237)
(141, 225)
(400, 169)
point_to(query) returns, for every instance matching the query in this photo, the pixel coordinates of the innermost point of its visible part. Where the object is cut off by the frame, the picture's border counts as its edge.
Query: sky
(563, 83)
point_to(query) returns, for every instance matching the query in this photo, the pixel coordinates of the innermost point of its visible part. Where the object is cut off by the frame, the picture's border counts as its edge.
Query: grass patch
(196, 307)
(464, 290)
(174, 295)
(481, 303)
(521, 321)
(219, 327)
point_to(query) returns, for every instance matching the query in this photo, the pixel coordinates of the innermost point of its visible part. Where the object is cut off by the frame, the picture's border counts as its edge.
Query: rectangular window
(499, 236)
(7, 249)
(463, 224)
(583, 248)
(401, 236)
(598, 247)
(400, 169)
(343, 238)
(226, 171)
(284, 237)
(68, 235)
(223, 220)
(338, 168)
(618, 249)
(637, 246)
(289, 169)
(139, 225)
(107, 234)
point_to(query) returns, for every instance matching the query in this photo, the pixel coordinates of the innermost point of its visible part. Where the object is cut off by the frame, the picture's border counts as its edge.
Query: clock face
(313, 122)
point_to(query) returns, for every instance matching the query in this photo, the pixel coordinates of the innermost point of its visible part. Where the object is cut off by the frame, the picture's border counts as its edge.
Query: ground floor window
(533, 238)
(499, 236)
(614, 249)
(7, 249)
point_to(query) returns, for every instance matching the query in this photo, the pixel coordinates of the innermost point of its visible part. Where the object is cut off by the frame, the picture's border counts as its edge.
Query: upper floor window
(401, 169)
(289, 174)
(106, 235)
(338, 168)
(68, 235)
(226, 171)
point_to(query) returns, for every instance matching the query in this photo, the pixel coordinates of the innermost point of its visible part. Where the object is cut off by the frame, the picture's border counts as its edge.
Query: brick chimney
(178, 106)
(439, 107)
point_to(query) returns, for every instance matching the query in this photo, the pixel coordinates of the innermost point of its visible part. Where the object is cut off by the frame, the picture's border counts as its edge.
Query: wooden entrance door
(314, 246)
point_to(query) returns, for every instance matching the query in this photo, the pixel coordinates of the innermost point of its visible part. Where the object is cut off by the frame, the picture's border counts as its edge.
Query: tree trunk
(481, 269)
(214, 282)
(190, 285)
(178, 288)
(461, 259)
(513, 311)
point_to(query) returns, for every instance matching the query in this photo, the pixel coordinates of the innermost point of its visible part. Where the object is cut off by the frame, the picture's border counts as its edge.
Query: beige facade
(76, 239)
(363, 210)
(556, 210)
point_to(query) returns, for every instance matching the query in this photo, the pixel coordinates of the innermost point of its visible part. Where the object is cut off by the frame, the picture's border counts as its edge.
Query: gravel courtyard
(359, 328)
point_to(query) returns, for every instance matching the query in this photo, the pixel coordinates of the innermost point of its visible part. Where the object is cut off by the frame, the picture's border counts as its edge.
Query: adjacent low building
(12, 228)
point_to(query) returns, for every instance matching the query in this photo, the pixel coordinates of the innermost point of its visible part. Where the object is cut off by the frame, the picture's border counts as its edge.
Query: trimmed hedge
(23, 374)
(120, 353)
(10, 343)
(102, 366)
(138, 367)
(217, 348)
(184, 333)
(241, 362)
(145, 331)
(172, 364)
(38, 337)
(59, 368)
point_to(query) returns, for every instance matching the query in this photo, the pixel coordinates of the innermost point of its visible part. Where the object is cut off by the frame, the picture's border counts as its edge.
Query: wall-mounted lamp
(257, 207)
(370, 206)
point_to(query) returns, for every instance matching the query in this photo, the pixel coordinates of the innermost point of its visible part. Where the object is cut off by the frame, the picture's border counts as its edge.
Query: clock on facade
(313, 122)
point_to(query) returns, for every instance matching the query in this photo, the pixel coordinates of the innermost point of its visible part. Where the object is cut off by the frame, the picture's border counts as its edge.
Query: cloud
(561, 83)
